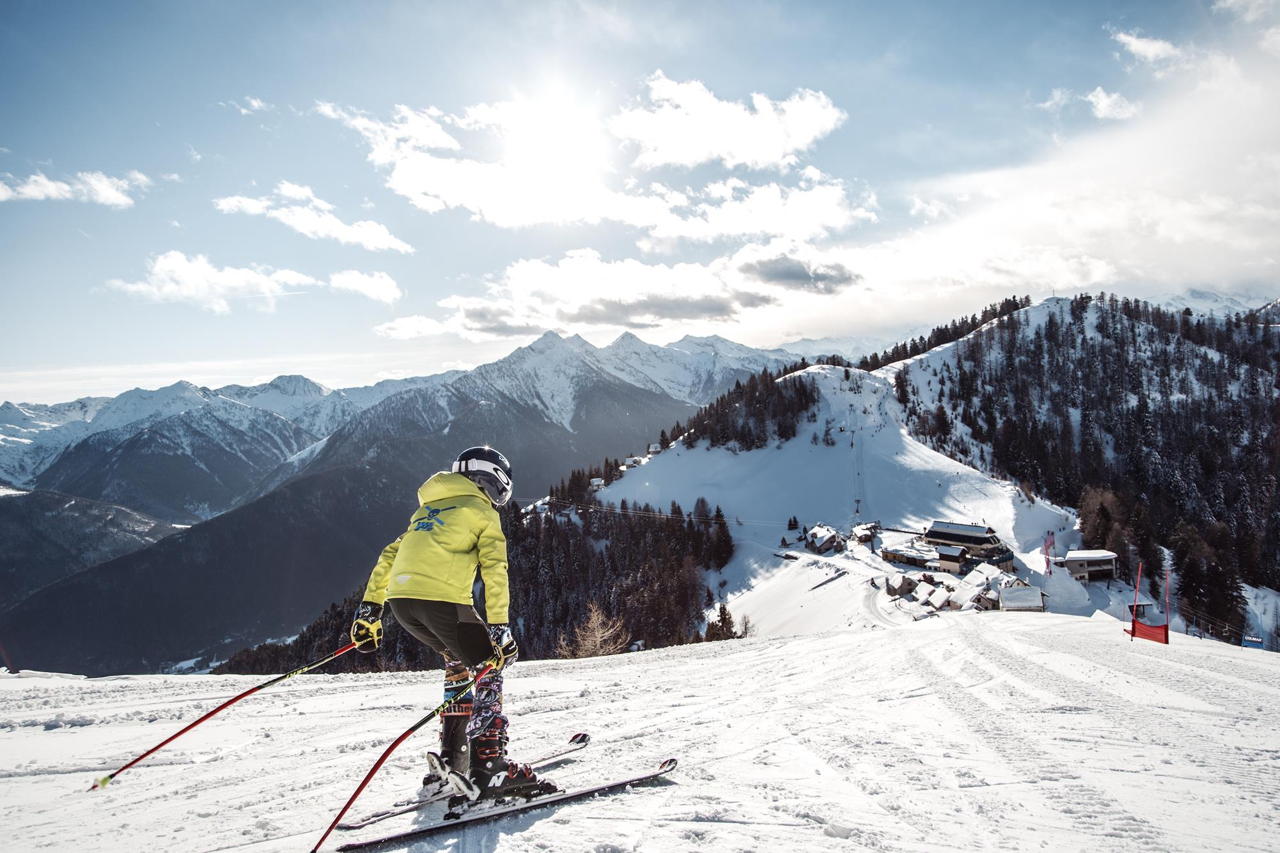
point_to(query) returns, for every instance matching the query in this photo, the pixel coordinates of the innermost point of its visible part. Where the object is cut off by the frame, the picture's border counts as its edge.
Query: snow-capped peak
(703, 342)
(714, 345)
(288, 385)
(548, 342)
(299, 386)
(1221, 303)
(626, 339)
(141, 403)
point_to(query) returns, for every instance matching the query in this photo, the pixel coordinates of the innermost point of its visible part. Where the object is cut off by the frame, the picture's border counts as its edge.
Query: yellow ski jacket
(455, 531)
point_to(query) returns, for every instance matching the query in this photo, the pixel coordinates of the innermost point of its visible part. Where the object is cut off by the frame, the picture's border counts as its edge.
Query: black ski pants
(455, 631)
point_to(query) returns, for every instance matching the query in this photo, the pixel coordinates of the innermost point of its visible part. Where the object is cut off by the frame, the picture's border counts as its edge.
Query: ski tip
(100, 783)
(667, 766)
(580, 737)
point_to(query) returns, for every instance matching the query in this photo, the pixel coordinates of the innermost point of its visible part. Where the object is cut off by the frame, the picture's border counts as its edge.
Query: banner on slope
(1141, 630)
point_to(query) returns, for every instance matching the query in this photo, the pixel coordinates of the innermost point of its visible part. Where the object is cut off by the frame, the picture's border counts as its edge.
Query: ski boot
(493, 776)
(455, 749)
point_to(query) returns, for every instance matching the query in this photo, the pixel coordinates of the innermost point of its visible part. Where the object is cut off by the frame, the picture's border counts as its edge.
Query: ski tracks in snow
(1125, 732)
(966, 731)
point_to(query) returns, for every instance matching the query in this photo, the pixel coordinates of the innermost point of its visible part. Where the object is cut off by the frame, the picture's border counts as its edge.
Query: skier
(426, 576)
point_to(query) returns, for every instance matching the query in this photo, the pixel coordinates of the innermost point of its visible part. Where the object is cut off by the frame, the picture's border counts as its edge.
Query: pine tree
(722, 542)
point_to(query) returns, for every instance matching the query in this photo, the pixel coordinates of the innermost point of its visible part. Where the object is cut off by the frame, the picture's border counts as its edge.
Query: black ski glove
(505, 650)
(366, 628)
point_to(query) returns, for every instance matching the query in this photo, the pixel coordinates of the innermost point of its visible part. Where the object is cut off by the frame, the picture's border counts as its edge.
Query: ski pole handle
(106, 780)
(489, 667)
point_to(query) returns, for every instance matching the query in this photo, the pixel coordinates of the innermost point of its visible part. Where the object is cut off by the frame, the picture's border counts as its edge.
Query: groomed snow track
(965, 731)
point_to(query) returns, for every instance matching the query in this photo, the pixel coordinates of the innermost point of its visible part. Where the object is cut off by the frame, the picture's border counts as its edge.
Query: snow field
(874, 471)
(965, 731)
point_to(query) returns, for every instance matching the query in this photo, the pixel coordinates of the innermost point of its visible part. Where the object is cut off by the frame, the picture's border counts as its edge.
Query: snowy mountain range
(187, 453)
(184, 467)
(554, 400)
(308, 538)
(1217, 302)
(851, 347)
(294, 542)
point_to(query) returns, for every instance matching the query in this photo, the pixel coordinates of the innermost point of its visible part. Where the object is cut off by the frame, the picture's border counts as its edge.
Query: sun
(555, 143)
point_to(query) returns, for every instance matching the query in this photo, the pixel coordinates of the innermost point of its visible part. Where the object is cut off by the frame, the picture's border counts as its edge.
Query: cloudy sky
(223, 192)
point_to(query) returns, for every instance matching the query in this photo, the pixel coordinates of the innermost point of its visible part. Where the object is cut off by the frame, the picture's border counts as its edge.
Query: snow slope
(976, 731)
(871, 469)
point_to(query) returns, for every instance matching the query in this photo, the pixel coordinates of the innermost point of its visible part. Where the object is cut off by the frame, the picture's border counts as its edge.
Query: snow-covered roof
(955, 551)
(982, 574)
(1021, 598)
(924, 590)
(822, 531)
(1090, 555)
(914, 548)
(939, 597)
(955, 527)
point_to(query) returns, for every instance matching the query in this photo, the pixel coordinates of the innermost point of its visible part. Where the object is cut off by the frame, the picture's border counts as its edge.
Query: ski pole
(106, 780)
(466, 688)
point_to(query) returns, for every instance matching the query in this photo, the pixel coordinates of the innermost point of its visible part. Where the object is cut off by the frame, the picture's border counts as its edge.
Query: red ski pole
(106, 780)
(466, 688)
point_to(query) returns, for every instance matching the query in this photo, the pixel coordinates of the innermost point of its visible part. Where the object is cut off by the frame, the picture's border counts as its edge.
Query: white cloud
(550, 161)
(818, 206)
(192, 154)
(378, 286)
(175, 277)
(412, 326)
(250, 106)
(1057, 99)
(583, 292)
(91, 187)
(1249, 11)
(929, 209)
(685, 124)
(313, 217)
(1111, 105)
(172, 177)
(550, 169)
(1149, 50)
(297, 192)
(410, 130)
(1271, 41)
(1187, 192)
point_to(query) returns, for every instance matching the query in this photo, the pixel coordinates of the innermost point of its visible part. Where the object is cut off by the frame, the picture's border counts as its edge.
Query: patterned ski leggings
(485, 707)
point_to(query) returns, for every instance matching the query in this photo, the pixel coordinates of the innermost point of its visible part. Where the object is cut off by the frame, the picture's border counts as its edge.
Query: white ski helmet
(488, 469)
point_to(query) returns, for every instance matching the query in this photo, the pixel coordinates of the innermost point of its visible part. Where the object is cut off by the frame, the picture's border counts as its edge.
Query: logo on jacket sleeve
(431, 518)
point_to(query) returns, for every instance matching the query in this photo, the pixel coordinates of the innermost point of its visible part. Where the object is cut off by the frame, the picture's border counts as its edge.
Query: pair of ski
(498, 810)
(577, 742)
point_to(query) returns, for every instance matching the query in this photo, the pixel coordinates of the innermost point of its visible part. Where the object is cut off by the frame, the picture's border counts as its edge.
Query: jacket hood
(445, 485)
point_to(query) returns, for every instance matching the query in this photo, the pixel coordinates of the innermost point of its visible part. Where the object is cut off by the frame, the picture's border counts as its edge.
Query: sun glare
(554, 141)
